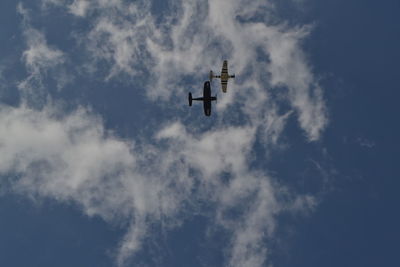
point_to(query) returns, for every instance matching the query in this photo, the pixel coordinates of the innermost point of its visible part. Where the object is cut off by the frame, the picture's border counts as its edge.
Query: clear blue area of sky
(354, 48)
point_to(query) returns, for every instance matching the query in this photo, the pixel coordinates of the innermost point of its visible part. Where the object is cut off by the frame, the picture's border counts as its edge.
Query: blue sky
(102, 162)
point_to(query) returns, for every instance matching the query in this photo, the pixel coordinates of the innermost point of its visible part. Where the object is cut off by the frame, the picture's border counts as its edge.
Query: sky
(103, 163)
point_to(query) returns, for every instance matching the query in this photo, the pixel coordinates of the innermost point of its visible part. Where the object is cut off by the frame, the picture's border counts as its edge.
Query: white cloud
(73, 158)
(120, 43)
(229, 150)
(198, 36)
(39, 56)
(79, 7)
(39, 59)
(364, 142)
(216, 151)
(289, 68)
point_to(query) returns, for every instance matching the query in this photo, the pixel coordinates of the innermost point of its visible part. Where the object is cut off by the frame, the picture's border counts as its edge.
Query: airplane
(224, 76)
(207, 98)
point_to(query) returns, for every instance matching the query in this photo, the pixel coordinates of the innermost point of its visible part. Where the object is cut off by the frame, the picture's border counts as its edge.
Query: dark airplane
(207, 98)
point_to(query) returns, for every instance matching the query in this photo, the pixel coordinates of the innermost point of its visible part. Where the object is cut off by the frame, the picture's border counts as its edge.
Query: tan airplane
(224, 76)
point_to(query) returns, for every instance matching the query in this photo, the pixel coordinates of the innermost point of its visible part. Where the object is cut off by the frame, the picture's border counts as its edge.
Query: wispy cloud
(72, 157)
(39, 59)
(195, 36)
(364, 142)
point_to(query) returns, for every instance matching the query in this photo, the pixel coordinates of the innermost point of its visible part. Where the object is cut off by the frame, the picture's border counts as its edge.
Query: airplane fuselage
(224, 76)
(207, 98)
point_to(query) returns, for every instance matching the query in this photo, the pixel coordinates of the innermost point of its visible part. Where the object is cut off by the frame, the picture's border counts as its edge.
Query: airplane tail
(190, 98)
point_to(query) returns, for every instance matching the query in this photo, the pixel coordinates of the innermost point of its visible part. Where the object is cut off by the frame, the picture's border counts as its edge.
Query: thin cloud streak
(40, 59)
